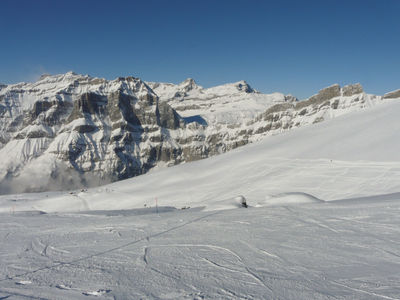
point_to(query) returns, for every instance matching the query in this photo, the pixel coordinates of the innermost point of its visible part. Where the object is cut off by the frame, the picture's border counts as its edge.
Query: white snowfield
(323, 222)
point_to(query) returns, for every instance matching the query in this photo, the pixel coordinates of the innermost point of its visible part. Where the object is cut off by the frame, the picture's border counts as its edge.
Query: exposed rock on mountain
(392, 95)
(352, 89)
(69, 130)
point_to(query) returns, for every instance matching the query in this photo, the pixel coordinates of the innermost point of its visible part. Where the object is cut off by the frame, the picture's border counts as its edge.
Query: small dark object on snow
(242, 200)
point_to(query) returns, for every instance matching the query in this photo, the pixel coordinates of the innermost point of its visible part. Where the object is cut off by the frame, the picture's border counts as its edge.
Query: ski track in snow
(233, 260)
(41, 249)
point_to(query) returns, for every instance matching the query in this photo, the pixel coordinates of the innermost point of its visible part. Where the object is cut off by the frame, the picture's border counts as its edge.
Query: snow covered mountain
(354, 155)
(322, 222)
(70, 130)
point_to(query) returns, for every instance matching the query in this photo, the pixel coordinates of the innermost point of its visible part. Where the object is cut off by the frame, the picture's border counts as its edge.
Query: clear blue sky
(293, 47)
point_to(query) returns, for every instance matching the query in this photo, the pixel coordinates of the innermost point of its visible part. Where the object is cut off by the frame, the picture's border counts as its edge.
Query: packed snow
(322, 222)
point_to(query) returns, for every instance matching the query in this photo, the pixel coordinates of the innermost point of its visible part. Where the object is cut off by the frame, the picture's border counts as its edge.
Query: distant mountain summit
(69, 130)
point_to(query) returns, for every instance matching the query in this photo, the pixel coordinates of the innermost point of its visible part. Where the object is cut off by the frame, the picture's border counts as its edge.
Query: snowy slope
(338, 250)
(293, 242)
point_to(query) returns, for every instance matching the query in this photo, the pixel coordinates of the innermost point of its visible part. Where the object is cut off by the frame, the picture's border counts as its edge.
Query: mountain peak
(43, 76)
(243, 86)
(188, 81)
(61, 77)
(188, 84)
(290, 98)
(352, 89)
(71, 73)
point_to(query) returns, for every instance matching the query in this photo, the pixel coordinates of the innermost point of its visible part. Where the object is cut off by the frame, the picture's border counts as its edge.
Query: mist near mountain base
(61, 178)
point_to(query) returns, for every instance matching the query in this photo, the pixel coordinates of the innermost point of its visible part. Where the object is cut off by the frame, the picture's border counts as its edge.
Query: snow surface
(323, 222)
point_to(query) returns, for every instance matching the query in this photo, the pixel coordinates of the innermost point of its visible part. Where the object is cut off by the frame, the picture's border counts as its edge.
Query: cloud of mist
(56, 176)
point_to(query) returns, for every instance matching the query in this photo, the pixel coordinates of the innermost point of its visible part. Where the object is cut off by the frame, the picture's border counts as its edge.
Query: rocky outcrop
(168, 117)
(323, 95)
(88, 104)
(243, 86)
(392, 95)
(352, 89)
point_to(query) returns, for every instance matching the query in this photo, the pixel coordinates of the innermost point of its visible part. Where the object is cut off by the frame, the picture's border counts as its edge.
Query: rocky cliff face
(69, 130)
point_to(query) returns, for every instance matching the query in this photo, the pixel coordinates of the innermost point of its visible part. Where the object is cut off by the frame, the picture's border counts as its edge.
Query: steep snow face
(71, 130)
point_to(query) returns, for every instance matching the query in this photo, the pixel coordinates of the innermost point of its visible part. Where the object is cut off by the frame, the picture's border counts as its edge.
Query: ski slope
(323, 222)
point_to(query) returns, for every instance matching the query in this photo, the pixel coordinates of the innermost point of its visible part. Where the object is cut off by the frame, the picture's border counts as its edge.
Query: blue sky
(295, 47)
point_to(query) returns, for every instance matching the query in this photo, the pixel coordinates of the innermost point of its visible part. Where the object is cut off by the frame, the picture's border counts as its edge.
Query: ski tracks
(363, 291)
(246, 269)
(310, 220)
(44, 249)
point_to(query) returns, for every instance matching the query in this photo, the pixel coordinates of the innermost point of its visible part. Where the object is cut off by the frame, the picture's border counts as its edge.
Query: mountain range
(71, 131)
